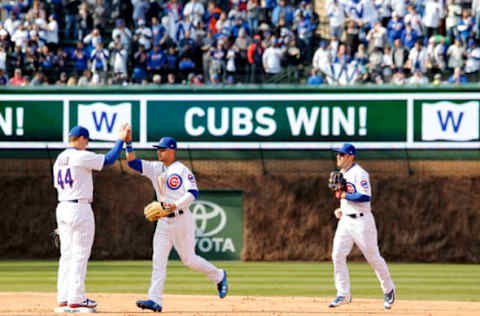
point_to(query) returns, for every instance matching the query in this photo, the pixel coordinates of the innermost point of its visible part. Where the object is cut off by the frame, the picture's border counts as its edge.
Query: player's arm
(362, 185)
(190, 195)
(115, 152)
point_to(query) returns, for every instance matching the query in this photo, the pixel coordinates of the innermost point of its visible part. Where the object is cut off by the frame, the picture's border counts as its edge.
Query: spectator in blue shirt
(409, 36)
(80, 59)
(394, 28)
(156, 60)
(285, 10)
(314, 78)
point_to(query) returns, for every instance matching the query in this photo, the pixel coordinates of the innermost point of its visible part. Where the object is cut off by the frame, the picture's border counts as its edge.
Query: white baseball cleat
(340, 300)
(389, 299)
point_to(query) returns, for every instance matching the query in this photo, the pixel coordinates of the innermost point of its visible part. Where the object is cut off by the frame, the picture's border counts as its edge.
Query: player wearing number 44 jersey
(356, 225)
(72, 173)
(176, 189)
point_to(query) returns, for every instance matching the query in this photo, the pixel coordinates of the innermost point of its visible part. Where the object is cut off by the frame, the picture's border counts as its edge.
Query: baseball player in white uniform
(356, 225)
(174, 184)
(72, 175)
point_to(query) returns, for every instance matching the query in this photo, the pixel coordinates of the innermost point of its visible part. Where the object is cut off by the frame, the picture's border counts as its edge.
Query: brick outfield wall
(425, 211)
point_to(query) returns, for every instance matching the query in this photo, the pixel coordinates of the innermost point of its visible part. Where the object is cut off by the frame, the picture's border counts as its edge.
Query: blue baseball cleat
(340, 300)
(222, 286)
(149, 304)
(389, 299)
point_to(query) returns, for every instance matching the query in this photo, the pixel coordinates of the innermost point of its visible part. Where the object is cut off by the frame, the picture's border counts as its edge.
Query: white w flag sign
(104, 121)
(450, 121)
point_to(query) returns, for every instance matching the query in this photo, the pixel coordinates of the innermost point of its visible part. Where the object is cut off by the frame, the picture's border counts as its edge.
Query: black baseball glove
(55, 238)
(336, 182)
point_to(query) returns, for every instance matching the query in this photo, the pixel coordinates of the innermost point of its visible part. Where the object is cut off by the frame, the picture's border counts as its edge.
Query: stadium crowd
(197, 42)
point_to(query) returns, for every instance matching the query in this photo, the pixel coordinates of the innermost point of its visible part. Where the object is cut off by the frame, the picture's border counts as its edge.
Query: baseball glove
(155, 211)
(336, 182)
(55, 238)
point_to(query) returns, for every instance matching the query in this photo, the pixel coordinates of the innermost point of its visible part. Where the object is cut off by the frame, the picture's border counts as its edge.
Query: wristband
(129, 147)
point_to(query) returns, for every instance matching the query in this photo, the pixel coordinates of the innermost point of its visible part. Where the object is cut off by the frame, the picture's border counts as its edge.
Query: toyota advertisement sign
(219, 225)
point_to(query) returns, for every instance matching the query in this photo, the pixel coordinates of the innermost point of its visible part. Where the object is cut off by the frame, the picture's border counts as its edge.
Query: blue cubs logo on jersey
(364, 184)
(350, 188)
(191, 178)
(174, 181)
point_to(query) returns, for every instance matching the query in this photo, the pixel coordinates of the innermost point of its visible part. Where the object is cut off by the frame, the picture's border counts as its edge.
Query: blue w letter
(103, 117)
(444, 123)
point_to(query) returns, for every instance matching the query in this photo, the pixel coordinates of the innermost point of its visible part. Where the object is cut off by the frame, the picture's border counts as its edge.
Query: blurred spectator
(3, 78)
(18, 79)
(85, 78)
(415, 21)
(52, 33)
(409, 37)
(123, 32)
(465, 26)
(99, 61)
(93, 38)
(314, 78)
(119, 58)
(253, 14)
(455, 54)
(437, 79)
(434, 12)
(80, 59)
(454, 10)
(84, 21)
(157, 79)
(282, 10)
(71, 11)
(3, 59)
(254, 55)
(171, 79)
(193, 11)
(156, 60)
(472, 65)
(143, 35)
(38, 79)
(417, 77)
(217, 59)
(377, 37)
(72, 81)
(458, 77)
(272, 59)
(398, 78)
(62, 81)
(293, 61)
(140, 8)
(417, 58)
(336, 17)
(173, 9)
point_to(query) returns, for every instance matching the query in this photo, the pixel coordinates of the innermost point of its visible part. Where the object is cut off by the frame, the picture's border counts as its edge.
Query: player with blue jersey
(176, 187)
(72, 175)
(356, 225)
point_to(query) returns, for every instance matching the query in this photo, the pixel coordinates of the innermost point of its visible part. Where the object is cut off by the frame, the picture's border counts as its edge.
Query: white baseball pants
(363, 232)
(179, 232)
(76, 227)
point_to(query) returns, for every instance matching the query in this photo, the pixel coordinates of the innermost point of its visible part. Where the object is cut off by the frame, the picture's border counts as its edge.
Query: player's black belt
(355, 215)
(77, 201)
(173, 213)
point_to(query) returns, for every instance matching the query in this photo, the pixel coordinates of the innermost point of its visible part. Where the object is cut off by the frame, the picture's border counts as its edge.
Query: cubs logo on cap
(191, 178)
(174, 181)
(347, 149)
(166, 143)
(364, 184)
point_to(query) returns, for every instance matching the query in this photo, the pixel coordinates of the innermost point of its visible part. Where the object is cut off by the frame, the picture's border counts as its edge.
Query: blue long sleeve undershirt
(114, 153)
(357, 197)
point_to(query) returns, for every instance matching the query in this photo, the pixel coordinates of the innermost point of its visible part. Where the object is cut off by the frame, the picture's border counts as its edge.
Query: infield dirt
(124, 304)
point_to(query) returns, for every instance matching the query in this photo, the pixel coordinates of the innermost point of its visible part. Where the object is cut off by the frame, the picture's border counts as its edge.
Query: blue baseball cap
(347, 149)
(78, 131)
(167, 142)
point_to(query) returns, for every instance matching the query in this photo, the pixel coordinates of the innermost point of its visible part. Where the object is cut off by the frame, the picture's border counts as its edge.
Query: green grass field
(414, 281)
